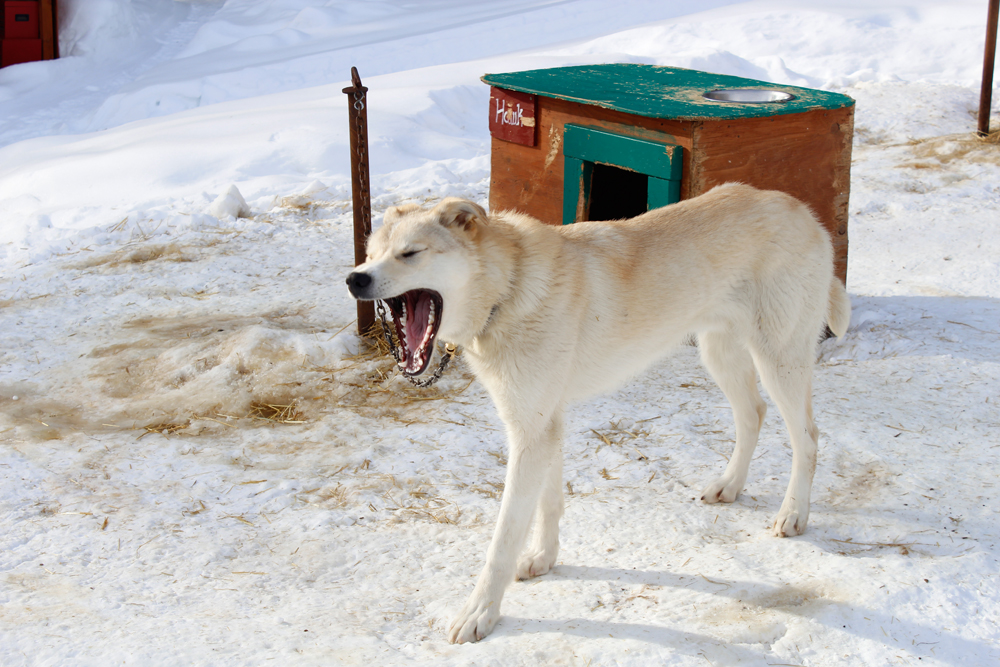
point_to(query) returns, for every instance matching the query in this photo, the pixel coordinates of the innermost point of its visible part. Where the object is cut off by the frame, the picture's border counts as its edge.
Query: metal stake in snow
(989, 56)
(358, 114)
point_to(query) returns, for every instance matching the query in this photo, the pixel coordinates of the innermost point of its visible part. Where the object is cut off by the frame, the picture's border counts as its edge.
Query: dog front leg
(543, 550)
(530, 459)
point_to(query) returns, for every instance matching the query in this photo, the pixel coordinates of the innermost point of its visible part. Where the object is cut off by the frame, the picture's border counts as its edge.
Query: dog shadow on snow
(679, 641)
(750, 617)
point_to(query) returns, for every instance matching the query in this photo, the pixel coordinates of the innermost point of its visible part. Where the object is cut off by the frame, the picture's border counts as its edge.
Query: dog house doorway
(617, 193)
(612, 176)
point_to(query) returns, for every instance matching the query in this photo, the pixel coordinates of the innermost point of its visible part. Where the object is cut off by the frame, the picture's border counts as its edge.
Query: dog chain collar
(449, 352)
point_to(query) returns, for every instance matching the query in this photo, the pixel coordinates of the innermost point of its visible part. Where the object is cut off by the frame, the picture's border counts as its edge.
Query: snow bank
(230, 204)
(252, 122)
(100, 29)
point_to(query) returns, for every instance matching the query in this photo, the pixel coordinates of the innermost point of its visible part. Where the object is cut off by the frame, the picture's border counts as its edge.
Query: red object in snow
(27, 31)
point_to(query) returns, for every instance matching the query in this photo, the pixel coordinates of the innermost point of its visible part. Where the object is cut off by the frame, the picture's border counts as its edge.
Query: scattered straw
(991, 138)
(904, 547)
(717, 583)
(430, 507)
(302, 203)
(277, 414)
(144, 544)
(376, 338)
(238, 518)
(491, 490)
(994, 333)
(341, 329)
(164, 428)
(371, 382)
(602, 437)
(900, 428)
(616, 434)
(196, 511)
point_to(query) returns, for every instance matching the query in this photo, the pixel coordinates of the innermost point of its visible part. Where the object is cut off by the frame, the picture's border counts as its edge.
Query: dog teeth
(419, 354)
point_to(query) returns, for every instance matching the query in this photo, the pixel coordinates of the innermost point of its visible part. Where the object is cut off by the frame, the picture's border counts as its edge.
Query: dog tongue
(417, 314)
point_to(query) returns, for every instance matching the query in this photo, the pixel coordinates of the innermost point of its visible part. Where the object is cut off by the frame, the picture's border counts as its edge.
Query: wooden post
(49, 30)
(357, 108)
(989, 56)
(55, 28)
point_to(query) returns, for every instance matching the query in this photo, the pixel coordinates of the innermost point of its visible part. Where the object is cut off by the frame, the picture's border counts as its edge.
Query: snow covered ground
(161, 505)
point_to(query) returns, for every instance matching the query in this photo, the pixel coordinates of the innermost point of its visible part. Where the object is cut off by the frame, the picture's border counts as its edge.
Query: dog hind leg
(544, 547)
(732, 368)
(531, 456)
(788, 380)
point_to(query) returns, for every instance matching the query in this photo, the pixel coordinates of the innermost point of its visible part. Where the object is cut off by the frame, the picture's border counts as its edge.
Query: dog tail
(838, 314)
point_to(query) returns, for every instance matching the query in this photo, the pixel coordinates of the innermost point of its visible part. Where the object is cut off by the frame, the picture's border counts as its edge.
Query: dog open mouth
(417, 316)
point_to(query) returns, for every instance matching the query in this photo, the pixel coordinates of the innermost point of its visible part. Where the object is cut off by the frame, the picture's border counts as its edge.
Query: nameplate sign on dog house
(512, 116)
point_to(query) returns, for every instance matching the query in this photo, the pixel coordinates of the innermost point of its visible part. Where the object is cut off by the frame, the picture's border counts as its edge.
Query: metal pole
(357, 107)
(986, 93)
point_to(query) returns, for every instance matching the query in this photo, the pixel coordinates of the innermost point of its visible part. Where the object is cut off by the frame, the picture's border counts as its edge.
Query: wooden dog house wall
(612, 141)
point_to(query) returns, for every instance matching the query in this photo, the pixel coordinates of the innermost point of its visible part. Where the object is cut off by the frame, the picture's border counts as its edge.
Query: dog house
(605, 142)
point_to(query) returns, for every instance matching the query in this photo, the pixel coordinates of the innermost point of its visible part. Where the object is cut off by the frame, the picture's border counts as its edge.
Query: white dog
(551, 314)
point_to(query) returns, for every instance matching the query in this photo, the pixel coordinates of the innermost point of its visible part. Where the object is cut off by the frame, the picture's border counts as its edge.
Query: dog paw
(474, 621)
(535, 563)
(723, 490)
(790, 523)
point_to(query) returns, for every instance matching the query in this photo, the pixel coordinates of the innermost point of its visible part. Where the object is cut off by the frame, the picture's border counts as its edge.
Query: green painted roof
(660, 92)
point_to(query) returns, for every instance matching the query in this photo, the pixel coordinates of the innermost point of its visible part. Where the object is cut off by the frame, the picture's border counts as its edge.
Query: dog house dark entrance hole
(616, 193)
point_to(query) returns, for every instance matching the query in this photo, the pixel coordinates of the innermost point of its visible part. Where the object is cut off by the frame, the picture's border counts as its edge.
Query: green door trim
(585, 146)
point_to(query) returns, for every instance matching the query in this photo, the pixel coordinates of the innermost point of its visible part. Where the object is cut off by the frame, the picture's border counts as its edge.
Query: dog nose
(357, 281)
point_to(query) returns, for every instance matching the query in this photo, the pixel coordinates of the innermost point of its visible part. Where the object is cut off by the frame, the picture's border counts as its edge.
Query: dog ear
(394, 213)
(453, 212)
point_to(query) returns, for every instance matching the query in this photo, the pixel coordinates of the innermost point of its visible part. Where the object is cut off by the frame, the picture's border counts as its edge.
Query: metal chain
(449, 352)
(359, 106)
(380, 309)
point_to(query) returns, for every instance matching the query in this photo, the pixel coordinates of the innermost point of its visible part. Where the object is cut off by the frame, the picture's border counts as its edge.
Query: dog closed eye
(410, 253)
